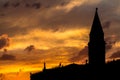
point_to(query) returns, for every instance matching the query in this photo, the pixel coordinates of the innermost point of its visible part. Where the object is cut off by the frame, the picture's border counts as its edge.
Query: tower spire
(96, 9)
(96, 43)
(96, 30)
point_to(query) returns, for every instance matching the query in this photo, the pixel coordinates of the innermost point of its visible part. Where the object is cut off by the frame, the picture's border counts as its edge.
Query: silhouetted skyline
(54, 32)
(95, 69)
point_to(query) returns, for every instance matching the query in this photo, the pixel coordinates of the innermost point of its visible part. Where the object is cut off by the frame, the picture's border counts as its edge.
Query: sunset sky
(36, 31)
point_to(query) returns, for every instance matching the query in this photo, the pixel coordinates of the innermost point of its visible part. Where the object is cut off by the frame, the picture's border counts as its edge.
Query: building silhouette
(96, 45)
(44, 68)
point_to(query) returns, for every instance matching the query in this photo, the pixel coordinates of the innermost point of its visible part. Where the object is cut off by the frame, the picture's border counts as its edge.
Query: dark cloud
(52, 3)
(30, 48)
(4, 41)
(6, 5)
(12, 30)
(27, 5)
(36, 5)
(107, 25)
(56, 16)
(115, 55)
(7, 57)
(64, 3)
(2, 14)
(16, 4)
(110, 41)
(81, 56)
(78, 16)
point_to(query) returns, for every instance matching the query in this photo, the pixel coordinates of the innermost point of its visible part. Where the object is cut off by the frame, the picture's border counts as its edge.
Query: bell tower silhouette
(96, 45)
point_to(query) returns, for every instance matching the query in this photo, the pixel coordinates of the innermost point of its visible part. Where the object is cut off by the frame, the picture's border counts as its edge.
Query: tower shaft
(96, 45)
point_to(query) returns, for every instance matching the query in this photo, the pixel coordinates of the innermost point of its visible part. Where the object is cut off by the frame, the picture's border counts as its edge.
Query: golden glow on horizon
(27, 68)
(49, 39)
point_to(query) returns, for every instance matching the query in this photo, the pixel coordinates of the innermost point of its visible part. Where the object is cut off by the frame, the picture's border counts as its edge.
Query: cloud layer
(56, 28)
(4, 41)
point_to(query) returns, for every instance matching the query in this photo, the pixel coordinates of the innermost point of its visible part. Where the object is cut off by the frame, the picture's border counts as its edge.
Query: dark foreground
(110, 71)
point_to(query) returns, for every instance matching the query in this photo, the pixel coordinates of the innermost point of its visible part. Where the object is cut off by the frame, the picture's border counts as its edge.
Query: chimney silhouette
(44, 68)
(96, 45)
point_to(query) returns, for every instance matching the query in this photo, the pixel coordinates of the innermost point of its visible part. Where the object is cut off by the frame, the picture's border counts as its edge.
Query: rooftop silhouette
(95, 69)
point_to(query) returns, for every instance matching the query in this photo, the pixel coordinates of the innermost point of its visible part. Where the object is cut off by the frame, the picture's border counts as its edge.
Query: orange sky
(58, 32)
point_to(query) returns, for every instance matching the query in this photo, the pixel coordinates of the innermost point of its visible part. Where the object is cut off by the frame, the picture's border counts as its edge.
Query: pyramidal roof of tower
(96, 26)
